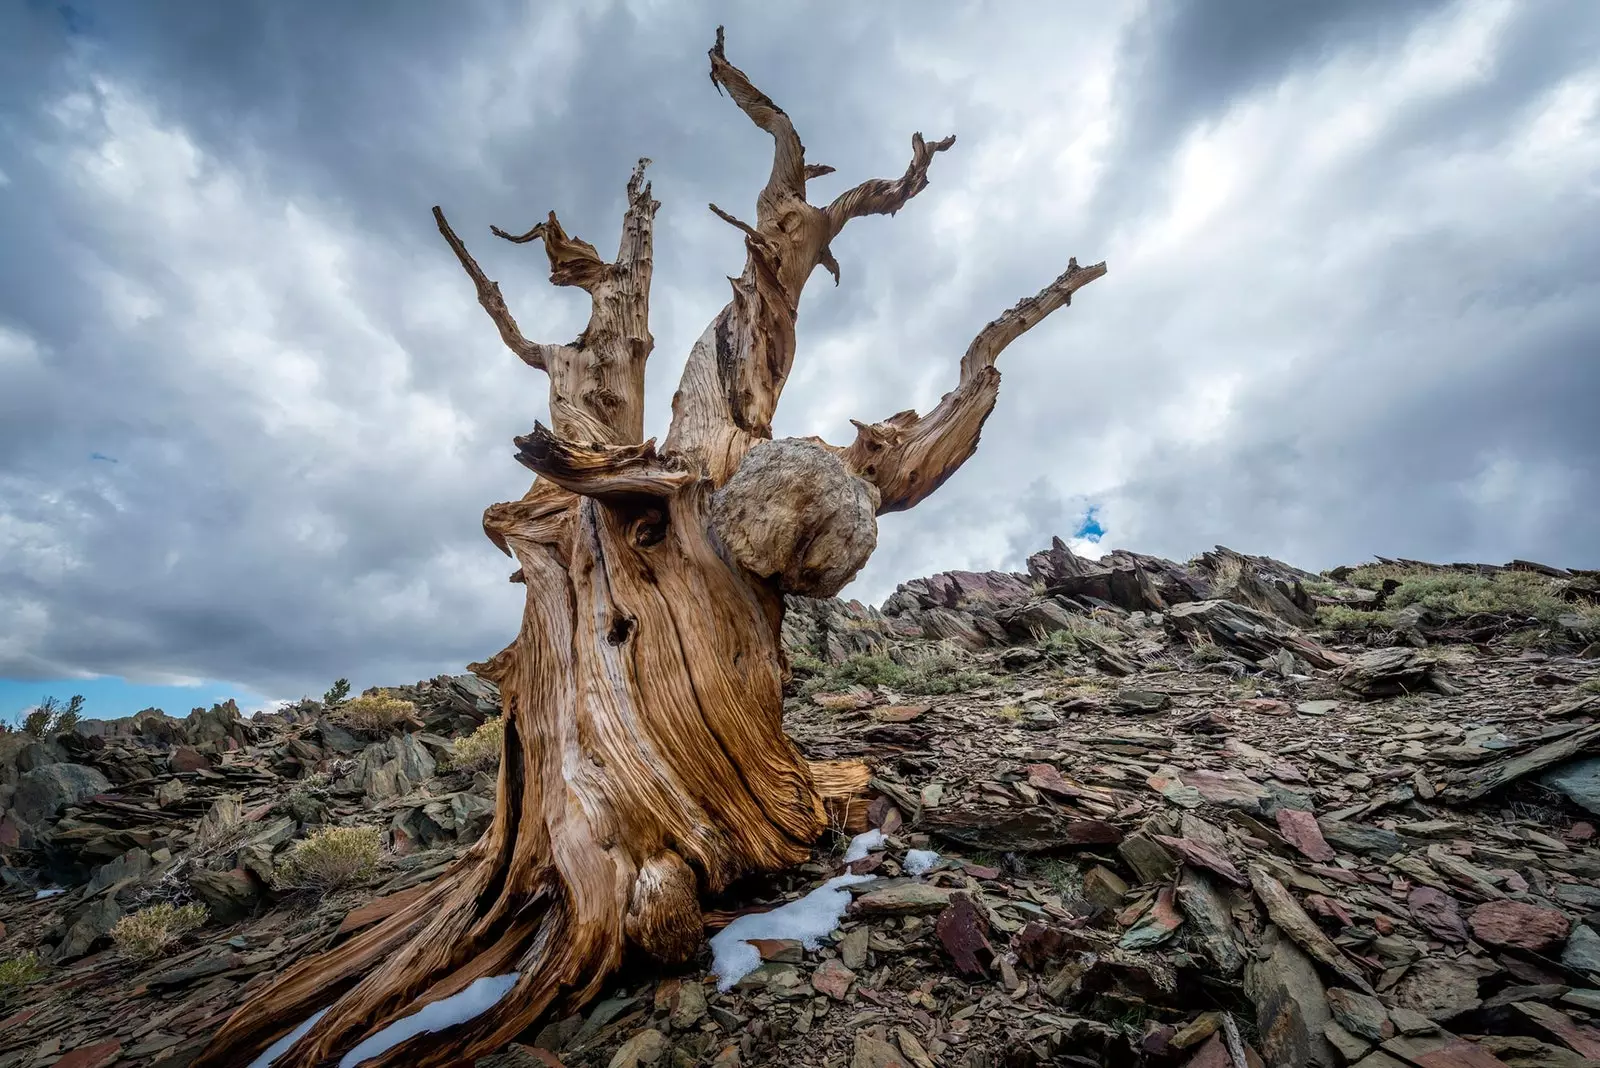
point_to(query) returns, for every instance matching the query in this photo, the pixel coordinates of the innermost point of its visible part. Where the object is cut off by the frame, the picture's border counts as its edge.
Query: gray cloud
(1351, 309)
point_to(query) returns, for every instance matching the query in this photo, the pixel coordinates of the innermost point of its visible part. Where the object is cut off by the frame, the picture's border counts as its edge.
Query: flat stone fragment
(1360, 1014)
(1583, 950)
(1360, 838)
(1291, 1008)
(1157, 925)
(1438, 912)
(907, 899)
(1299, 829)
(833, 979)
(1230, 788)
(1211, 921)
(1520, 925)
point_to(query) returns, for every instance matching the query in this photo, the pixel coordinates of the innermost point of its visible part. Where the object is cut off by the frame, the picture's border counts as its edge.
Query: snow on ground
(807, 919)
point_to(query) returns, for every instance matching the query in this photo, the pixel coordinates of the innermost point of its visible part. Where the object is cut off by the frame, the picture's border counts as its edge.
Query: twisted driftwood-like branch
(908, 456)
(596, 380)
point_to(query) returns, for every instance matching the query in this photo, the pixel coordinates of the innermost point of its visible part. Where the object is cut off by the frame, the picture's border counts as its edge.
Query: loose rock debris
(1132, 812)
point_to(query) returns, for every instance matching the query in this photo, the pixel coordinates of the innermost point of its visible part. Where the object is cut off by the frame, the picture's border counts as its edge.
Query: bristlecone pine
(645, 760)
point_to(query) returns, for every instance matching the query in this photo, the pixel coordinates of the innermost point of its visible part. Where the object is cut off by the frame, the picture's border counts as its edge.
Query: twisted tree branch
(908, 456)
(599, 471)
(884, 196)
(532, 353)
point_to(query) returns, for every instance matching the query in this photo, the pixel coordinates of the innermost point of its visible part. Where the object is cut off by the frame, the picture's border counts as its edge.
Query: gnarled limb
(883, 196)
(599, 471)
(908, 456)
(736, 371)
(597, 380)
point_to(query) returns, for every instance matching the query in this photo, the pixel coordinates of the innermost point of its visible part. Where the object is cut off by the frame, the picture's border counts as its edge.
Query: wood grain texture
(645, 762)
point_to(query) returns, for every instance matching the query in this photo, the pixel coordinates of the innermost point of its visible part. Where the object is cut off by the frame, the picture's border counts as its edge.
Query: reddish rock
(833, 979)
(1581, 831)
(1265, 706)
(1201, 855)
(1438, 912)
(1519, 925)
(188, 758)
(98, 1055)
(16, 1020)
(1300, 830)
(962, 929)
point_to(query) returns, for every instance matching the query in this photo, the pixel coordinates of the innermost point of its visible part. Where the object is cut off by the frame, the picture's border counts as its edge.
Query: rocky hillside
(1217, 813)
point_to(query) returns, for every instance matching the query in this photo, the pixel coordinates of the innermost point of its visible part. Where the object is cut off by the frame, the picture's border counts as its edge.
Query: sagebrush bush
(931, 673)
(152, 931)
(480, 750)
(1081, 635)
(1349, 620)
(375, 712)
(18, 972)
(331, 858)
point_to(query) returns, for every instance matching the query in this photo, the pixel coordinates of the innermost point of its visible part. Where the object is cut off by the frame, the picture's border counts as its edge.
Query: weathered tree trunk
(645, 761)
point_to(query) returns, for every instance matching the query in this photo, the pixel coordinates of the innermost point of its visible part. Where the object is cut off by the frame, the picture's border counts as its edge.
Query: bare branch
(907, 456)
(599, 471)
(788, 179)
(531, 353)
(573, 261)
(883, 196)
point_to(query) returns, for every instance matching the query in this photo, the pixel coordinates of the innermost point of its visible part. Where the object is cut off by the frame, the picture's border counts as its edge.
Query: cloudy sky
(250, 412)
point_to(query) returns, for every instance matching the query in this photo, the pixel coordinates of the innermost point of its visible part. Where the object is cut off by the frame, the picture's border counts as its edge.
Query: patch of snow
(862, 844)
(274, 1051)
(807, 920)
(919, 861)
(479, 997)
(52, 892)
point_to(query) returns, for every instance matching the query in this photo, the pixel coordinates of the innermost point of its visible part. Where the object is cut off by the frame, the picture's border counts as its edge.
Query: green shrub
(52, 717)
(331, 858)
(17, 973)
(1349, 620)
(151, 932)
(480, 750)
(930, 673)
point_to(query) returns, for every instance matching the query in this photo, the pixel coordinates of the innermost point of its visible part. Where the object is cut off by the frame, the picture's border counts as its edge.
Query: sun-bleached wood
(645, 764)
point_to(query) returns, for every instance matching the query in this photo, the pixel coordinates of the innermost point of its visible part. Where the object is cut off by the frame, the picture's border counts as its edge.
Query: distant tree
(51, 717)
(337, 693)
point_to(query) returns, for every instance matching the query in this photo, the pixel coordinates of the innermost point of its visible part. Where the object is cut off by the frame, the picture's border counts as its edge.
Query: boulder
(43, 792)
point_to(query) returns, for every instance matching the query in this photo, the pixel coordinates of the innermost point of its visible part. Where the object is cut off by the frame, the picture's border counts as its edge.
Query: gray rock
(43, 792)
(1211, 921)
(230, 896)
(1579, 780)
(88, 927)
(1583, 950)
(1291, 1007)
(1360, 838)
(134, 864)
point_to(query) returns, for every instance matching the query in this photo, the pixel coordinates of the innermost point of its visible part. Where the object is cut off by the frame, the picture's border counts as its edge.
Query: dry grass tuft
(480, 750)
(375, 712)
(331, 858)
(151, 932)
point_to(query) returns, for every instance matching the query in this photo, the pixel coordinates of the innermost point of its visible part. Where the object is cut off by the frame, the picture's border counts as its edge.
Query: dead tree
(645, 761)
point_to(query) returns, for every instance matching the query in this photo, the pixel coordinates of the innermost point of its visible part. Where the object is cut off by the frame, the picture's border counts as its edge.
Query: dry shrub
(17, 973)
(331, 858)
(151, 932)
(375, 712)
(480, 750)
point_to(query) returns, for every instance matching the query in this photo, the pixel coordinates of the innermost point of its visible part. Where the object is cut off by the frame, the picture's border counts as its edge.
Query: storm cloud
(250, 413)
